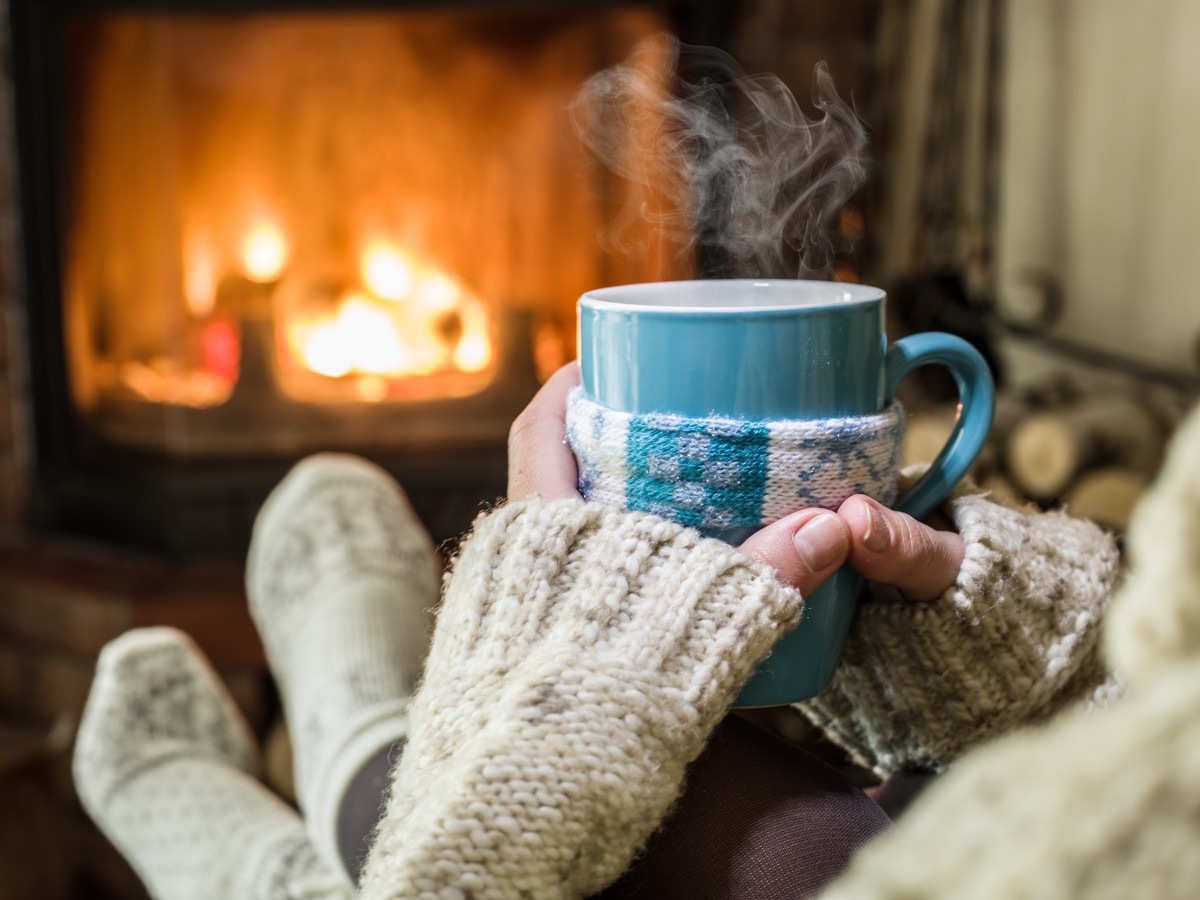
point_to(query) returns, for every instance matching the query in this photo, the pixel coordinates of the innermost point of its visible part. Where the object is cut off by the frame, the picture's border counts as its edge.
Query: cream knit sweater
(584, 654)
(1014, 641)
(1097, 803)
(581, 658)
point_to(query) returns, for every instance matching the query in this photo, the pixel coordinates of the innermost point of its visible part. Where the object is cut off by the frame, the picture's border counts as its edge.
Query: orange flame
(264, 253)
(409, 320)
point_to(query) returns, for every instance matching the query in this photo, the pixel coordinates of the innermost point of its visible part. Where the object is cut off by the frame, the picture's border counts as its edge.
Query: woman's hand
(888, 548)
(895, 550)
(540, 464)
(805, 547)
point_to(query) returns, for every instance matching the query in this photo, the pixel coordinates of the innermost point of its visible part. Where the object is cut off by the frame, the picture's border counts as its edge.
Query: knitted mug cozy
(717, 473)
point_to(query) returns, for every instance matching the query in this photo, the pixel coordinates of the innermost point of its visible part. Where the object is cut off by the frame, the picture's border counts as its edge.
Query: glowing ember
(221, 350)
(163, 381)
(264, 253)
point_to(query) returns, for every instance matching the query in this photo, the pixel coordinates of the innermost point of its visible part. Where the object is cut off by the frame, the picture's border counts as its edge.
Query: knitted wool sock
(717, 474)
(582, 656)
(341, 578)
(161, 764)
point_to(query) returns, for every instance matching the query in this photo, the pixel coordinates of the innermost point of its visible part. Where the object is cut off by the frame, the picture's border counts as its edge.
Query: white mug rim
(813, 294)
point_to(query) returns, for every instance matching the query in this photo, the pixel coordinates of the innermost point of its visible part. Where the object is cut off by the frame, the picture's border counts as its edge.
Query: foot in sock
(342, 579)
(162, 765)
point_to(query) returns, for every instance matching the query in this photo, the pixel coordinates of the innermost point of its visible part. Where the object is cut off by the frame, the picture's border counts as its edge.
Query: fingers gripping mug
(727, 404)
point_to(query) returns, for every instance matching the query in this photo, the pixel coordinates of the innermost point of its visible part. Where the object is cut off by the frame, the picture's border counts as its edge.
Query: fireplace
(162, 442)
(255, 233)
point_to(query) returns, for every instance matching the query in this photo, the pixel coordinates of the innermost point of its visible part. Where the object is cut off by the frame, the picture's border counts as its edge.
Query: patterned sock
(161, 764)
(720, 475)
(341, 579)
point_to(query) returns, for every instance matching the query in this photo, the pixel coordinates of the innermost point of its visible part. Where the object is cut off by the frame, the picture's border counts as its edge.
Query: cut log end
(1107, 496)
(1043, 456)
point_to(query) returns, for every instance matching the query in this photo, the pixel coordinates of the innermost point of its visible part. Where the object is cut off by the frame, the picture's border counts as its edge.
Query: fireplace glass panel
(291, 226)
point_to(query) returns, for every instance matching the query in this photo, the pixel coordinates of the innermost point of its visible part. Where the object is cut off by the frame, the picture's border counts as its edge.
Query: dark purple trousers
(759, 819)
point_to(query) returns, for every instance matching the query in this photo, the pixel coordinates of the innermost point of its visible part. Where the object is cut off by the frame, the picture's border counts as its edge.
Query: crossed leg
(341, 579)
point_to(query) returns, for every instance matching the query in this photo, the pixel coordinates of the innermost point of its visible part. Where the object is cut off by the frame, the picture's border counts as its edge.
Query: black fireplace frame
(200, 508)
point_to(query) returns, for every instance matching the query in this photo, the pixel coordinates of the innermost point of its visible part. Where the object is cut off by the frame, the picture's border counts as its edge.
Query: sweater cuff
(581, 657)
(1014, 641)
(529, 561)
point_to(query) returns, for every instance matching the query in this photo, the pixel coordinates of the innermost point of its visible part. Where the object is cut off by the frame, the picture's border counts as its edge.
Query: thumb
(894, 549)
(804, 548)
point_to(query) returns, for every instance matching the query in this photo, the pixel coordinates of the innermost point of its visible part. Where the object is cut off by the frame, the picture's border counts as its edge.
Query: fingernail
(821, 542)
(877, 537)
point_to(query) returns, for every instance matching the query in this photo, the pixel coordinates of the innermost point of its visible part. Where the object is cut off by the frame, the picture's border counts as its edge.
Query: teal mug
(770, 351)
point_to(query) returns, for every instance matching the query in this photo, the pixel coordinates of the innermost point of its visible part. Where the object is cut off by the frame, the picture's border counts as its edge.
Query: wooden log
(1043, 455)
(1010, 411)
(926, 432)
(1002, 490)
(1107, 496)
(1049, 449)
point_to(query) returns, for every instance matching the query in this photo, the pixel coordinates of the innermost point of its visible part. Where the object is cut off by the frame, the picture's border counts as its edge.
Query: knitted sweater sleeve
(1014, 641)
(1103, 804)
(581, 658)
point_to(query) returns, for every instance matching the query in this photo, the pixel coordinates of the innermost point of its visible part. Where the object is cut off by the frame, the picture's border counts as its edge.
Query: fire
(437, 293)
(474, 350)
(361, 337)
(200, 276)
(408, 319)
(386, 273)
(473, 353)
(264, 253)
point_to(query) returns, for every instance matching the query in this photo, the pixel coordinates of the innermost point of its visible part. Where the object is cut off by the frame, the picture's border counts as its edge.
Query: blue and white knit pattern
(717, 473)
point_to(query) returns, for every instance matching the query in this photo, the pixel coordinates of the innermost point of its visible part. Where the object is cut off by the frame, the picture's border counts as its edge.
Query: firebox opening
(360, 227)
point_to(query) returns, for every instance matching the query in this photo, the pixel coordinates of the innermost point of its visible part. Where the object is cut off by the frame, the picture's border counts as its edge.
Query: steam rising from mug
(739, 172)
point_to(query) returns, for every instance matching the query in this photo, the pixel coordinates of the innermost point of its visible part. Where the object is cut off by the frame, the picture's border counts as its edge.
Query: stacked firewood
(1090, 449)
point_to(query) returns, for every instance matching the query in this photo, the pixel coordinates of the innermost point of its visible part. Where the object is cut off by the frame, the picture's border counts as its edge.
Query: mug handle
(977, 403)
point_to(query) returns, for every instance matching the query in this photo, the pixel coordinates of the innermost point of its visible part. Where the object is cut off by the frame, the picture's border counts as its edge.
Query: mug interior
(731, 294)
